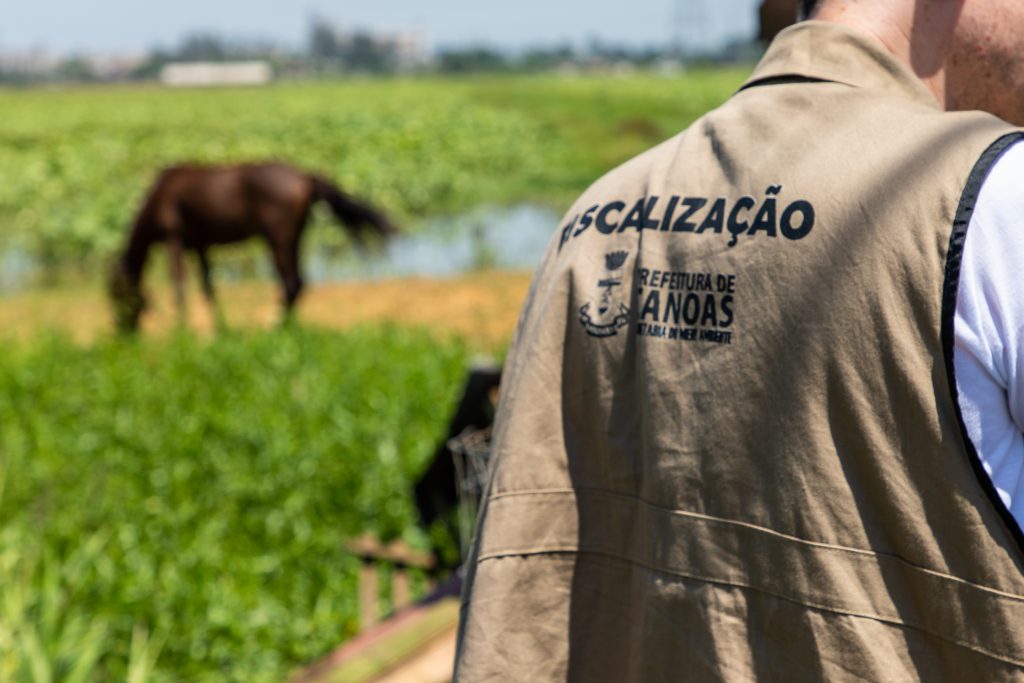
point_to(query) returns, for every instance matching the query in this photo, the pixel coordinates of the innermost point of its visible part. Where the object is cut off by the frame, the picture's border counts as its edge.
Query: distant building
(411, 49)
(205, 74)
(32, 63)
(40, 65)
(113, 67)
(360, 50)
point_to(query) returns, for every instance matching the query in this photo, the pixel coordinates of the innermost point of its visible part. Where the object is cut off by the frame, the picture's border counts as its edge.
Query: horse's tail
(354, 214)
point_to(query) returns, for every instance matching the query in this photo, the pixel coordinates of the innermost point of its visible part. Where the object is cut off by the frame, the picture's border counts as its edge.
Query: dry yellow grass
(481, 308)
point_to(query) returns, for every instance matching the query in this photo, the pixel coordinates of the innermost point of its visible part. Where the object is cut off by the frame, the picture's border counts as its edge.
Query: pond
(512, 237)
(492, 237)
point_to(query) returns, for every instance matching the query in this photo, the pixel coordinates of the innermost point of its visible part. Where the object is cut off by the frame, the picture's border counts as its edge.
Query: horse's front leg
(176, 257)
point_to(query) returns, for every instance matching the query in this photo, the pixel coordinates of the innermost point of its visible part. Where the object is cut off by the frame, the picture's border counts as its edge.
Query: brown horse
(193, 207)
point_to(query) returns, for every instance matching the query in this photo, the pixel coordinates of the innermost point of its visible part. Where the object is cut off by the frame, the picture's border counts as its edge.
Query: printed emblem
(612, 315)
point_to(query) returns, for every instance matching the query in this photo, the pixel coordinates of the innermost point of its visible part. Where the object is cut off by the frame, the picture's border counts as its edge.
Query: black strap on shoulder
(950, 286)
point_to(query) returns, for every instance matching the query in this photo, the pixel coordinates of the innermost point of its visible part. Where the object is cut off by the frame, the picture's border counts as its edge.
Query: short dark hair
(806, 7)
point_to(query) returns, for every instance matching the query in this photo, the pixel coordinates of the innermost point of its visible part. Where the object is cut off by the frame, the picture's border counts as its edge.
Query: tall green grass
(175, 510)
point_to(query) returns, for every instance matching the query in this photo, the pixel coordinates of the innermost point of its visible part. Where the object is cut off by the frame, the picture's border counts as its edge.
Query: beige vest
(728, 447)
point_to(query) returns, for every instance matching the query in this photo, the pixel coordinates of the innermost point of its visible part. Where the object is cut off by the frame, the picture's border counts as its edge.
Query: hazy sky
(64, 26)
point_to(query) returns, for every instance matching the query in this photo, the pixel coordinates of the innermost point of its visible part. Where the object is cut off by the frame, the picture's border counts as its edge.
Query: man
(760, 420)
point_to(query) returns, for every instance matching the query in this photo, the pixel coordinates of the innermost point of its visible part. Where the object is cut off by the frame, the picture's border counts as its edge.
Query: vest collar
(827, 51)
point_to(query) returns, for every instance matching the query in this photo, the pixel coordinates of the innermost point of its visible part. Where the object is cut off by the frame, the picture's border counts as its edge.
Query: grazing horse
(194, 207)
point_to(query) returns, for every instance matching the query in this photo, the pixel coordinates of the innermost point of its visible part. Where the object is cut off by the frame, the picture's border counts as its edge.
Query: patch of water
(489, 237)
(17, 269)
(492, 237)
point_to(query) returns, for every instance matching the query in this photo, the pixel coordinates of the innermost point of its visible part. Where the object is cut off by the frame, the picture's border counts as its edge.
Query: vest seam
(892, 621)
(950, 288)
(859, 553)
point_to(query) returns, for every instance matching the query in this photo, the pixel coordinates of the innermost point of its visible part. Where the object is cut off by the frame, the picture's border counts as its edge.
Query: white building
(206, 74)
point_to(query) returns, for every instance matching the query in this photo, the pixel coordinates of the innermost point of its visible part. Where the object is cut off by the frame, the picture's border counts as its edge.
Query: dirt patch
(641, 127)
(482, 308)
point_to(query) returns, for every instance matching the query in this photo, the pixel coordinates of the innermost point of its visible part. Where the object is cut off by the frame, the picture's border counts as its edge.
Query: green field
(173, 508)
(74, 164)
(199, 494)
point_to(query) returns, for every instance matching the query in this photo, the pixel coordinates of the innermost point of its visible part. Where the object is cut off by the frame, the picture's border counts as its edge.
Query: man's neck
(916, 33)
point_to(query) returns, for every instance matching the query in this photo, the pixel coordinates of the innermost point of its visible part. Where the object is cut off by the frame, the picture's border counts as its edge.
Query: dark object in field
(435, 491)
(195, 207)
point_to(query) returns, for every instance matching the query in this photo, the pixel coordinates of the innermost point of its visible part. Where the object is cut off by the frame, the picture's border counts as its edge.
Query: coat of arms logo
(610, 319)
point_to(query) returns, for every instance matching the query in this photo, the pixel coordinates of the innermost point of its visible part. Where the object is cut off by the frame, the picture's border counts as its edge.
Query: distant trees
(331, 50)
(203, 47)
(206, 47)
(471, 59)
(323, 40)
(41, 67)
(596, 55)
(75, 69)
(544, 59)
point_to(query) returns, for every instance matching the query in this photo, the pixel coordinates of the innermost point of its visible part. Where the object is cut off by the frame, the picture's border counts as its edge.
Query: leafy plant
(177, 509)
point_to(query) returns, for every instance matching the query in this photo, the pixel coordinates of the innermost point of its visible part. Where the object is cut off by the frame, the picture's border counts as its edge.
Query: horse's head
(383, 227)
(127, 298)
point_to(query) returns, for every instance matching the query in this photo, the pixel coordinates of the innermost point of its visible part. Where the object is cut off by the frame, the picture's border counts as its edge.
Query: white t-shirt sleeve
(988, 329)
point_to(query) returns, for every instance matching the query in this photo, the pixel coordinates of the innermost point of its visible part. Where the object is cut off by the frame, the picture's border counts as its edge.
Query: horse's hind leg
(204, 271)
(286, 261)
